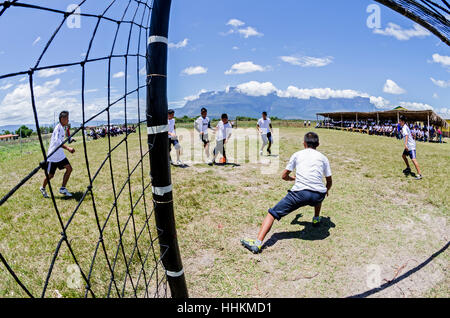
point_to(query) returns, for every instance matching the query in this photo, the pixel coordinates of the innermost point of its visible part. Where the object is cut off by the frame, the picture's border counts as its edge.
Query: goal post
(157, 107)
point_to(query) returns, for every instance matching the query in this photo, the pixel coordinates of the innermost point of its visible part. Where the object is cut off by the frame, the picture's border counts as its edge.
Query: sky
(294, 48)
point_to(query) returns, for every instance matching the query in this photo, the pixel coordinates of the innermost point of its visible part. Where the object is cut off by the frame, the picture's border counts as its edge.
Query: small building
(8, 137)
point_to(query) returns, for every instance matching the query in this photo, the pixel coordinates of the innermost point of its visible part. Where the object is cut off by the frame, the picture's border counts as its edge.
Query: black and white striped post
(158, 140)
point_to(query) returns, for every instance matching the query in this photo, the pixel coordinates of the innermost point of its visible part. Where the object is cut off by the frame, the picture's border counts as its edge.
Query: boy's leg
(416, 164)
(265, 227)
(405, 158)
(317, 209)
(67, 175)
(44, 184)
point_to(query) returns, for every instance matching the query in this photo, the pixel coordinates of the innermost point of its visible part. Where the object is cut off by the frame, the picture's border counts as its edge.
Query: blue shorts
(412, 154)
(295, 200)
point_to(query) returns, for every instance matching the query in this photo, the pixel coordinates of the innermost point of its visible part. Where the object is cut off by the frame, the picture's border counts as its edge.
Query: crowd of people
(102, 132)
(419, 132)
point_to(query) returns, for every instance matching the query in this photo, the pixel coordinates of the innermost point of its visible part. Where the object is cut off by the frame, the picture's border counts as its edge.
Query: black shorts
(52, 166)
(295, 200)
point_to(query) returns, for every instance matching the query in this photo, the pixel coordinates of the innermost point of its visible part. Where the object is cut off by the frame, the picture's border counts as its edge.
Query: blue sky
(295, 48)
(329, 30)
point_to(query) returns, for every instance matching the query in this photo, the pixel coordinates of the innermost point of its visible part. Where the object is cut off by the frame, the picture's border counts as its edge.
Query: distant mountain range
(235, 103)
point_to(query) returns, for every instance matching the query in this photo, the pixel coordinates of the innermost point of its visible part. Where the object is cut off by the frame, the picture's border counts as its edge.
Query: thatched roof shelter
(425, 116)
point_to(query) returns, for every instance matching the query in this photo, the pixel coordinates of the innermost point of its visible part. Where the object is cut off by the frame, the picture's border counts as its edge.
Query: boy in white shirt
(202, 124)
(57, 159)
(173, 139)
(223, 134)
(410, 148)
(264, 127)
(308, 190)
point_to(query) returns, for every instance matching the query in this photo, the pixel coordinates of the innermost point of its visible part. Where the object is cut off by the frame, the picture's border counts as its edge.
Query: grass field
(373, 216)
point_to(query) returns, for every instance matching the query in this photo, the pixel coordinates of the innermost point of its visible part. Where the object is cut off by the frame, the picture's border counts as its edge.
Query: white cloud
(444, 112)
(195, 97)
(307, 61)
(391, 87)
(37, 40)
(441, 59)
(401, 34)
(416, 106)
(5, 87)
(435, 96)
(440, 83)
(179, 45)
(51, 72)
(195, 70)
(321, 93)
(249, 31)
(237, 27)
(181, 103)
(255, 88)
(244, 68)
(119, 75)
(379, 102)
(235, 48)
(235, 23)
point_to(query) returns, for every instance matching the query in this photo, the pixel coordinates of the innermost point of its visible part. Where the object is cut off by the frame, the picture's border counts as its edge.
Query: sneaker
(44, 193)
(407, 171)
(252, 245)
(316, 221)
(179, 163)
(269, 152)
(261, 153)
(419, 177)
(65, 192)
(211, 163)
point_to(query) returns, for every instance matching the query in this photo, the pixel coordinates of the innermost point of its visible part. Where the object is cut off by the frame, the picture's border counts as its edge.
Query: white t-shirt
(171, 127)
(264, 125)
(224, 131)
(202, 125)
(310, 168)
(57, 139)
(411, 142)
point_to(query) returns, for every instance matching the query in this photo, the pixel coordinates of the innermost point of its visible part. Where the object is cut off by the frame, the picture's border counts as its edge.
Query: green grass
(374, 215)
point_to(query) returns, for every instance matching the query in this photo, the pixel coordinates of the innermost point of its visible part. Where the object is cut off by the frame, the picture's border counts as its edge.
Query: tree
(24, 131)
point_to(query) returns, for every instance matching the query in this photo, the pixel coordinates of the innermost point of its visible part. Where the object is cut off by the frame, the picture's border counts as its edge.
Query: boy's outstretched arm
(329, 184)
(286, 176)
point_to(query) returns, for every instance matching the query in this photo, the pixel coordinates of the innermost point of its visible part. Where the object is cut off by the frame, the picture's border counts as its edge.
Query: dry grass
(374, 215)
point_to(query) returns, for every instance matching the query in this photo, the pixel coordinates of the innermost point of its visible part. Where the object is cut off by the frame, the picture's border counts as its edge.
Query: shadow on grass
(76, 196)
(227, 164)
(182, 166)
(402, 277)
(308, 233)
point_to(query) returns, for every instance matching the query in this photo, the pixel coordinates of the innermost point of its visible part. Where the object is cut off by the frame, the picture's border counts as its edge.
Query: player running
(173, 139)
(202, 124)
(223, 134)
(264, 127)
(308, 190)
(58, 160)
(410, 148)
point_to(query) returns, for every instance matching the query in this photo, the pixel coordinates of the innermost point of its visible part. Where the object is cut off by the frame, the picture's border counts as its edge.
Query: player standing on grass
(173, 139)
(223, 134)
(202, 124)
(265, 129)
(58, 159)
(308, 190)
(410, 148)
